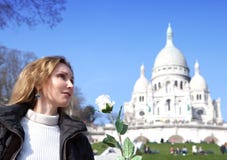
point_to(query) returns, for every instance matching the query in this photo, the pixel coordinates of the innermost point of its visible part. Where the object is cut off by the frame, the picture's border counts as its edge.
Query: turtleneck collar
(42, 118)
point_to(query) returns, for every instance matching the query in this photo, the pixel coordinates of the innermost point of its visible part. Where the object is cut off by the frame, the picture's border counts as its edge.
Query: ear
(38, 89)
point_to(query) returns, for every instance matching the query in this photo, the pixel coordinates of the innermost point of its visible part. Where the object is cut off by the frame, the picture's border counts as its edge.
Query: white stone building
(171, 105)
(172, 95)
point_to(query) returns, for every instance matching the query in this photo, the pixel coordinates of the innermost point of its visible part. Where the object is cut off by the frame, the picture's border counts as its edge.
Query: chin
(64, 105)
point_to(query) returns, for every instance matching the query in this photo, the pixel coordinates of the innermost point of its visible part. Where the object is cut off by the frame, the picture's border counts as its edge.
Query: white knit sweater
(42, 137)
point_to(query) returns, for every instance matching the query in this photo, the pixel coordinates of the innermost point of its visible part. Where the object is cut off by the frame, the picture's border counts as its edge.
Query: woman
(33, 125)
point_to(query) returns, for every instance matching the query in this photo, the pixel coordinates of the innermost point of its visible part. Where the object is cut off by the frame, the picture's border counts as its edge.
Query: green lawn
(163, 152)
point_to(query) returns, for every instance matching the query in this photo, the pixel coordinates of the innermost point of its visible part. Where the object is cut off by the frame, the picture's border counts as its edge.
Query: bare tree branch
(31, 12)
(11, 63)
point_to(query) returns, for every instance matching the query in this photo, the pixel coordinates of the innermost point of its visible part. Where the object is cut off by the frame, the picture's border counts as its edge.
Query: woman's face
(58, 90)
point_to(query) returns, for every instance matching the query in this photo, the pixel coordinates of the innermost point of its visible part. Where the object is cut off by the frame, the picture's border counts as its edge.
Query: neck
(44, 108)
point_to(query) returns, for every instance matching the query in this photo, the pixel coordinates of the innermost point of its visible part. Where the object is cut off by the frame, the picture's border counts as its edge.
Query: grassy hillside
(162, 151)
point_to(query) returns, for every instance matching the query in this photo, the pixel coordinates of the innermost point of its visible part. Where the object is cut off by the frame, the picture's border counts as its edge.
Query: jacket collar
(11, 115)
(69, 126)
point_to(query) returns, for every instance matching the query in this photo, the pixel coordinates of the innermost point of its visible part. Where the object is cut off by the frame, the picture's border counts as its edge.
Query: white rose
(104, 103)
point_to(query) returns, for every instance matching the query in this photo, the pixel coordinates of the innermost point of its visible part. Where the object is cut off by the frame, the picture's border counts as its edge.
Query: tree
(31, 12)
(11, 63)
(88, 114)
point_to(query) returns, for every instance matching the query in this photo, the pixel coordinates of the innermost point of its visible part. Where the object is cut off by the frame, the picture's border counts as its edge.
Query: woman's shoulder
(69, 121)
(18, 109)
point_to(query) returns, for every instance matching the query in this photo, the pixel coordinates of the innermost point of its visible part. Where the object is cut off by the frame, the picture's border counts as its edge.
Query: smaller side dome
(142, 83)
(198, 82)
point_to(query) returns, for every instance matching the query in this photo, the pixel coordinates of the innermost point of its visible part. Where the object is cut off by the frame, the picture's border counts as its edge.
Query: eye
(65, 77)
(72, 80)
(62, 76)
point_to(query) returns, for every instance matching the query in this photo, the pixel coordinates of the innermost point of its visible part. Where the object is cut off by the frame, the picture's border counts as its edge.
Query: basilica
(171, 95)
(171, 105)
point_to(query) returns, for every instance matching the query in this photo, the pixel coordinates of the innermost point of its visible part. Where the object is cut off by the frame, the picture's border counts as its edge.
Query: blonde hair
(31, 78)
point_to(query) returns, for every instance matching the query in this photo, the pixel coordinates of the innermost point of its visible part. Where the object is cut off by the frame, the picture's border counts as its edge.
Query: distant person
(194, 149)
(147, 149)
(200, 150)
(162, 140)
(184, 151)
(222, 149)
(171, 150)
(33, 125)
(177, 150)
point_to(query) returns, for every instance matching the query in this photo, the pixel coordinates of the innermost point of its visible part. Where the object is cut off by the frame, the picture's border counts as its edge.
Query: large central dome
(170, 55)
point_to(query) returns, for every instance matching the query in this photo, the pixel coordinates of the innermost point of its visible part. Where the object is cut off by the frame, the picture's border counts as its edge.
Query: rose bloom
(104, 103)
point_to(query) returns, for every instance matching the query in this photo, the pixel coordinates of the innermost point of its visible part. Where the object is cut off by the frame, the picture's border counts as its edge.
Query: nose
(70, 84)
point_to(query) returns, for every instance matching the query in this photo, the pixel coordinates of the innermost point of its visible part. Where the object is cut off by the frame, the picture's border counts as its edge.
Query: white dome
(170, 55)
(142, 83)
(198, 82)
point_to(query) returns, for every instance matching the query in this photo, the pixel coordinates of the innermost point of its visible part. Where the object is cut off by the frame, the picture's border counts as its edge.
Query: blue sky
(106, 42)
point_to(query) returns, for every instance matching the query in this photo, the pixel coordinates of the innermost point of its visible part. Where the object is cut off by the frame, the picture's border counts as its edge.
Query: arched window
(175, 83)
(155, 87)
(181, 85)
(159, 85)
(168, 104)
(141, 98)
(198, 96)
(168, 87)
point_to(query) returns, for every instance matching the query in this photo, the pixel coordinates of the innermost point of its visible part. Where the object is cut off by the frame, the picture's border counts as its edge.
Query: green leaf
(111, 141)
(128, 148)
(108, 108)
(137, 158)
(120, 158)
(119, 113)
(120, 126)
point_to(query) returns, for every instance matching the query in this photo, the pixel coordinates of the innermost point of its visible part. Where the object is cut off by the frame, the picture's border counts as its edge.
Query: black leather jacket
(74, 144)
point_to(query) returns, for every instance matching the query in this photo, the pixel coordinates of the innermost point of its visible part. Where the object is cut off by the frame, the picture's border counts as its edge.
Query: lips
(67, 93)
